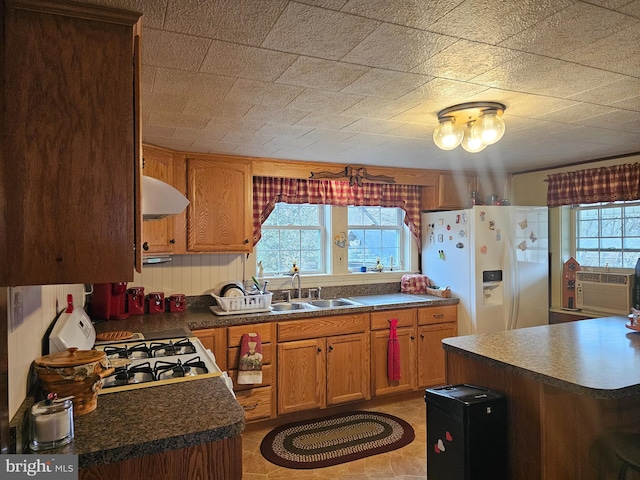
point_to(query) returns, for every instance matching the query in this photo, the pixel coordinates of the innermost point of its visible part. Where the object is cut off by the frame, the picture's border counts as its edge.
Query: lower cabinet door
(431, 358)
(379, 348)
(347, 369)
(301, 375)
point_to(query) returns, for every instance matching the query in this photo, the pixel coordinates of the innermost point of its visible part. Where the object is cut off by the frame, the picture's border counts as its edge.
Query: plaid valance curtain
(604, 184)
(267, 191)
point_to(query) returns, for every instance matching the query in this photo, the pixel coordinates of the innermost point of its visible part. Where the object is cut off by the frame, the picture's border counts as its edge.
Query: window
(293, 234)
(607, 234)
(374, 233)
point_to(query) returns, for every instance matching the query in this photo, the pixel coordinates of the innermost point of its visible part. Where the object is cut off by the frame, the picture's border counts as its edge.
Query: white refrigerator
(495, 259)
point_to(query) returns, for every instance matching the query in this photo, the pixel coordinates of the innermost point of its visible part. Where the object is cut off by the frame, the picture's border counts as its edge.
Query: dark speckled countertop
(199, 317)
(599, 358)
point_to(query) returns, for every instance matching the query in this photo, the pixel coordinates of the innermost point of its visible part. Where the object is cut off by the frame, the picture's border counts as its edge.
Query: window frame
(398, 227)
(574, 218)
(323, 217)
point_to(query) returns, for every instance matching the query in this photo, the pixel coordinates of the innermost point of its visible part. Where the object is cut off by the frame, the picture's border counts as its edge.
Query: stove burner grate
(140, 350)
(180, 369)
(166, 349)
(128, 374)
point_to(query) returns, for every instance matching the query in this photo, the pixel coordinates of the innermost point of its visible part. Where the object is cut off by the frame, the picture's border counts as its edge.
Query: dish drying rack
(244, 304)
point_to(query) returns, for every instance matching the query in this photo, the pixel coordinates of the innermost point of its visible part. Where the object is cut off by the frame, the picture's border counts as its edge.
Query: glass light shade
(472, 141)
(491, 127)
(448, 135)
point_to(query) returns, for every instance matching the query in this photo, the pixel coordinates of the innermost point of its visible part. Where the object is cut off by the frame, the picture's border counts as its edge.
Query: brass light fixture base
(464, 113)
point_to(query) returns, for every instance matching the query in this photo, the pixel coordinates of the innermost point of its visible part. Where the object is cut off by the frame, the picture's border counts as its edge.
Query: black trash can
(466, 433)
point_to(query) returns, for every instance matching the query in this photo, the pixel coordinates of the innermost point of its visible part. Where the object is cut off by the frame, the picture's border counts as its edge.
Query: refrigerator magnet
(532, 237)
(522, 245)
(459, 245)
(483, 249)
(492, 225)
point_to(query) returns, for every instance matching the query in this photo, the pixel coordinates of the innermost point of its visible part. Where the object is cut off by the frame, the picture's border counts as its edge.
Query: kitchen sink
(330, 303)
(286, 306)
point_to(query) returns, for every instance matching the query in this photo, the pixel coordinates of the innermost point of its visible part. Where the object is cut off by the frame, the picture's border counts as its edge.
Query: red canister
(155, 302)
(135, 300)
(177, 302)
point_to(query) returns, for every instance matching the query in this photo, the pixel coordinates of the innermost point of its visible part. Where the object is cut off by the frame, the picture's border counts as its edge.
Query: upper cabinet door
(69, 143)
(158, 235)
(454, 190)
(220, 213)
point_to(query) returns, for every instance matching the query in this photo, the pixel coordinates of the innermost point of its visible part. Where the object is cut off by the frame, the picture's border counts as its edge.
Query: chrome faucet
(296, 276)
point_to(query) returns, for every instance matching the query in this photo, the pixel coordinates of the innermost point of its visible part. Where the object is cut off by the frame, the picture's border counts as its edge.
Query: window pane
(292, 234)
(608, 235)
(375, 233)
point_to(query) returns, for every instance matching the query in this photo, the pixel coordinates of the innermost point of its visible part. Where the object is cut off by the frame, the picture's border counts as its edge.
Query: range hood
(159, 199)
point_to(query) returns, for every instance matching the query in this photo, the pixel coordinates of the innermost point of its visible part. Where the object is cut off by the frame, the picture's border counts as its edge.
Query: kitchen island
(565, 385)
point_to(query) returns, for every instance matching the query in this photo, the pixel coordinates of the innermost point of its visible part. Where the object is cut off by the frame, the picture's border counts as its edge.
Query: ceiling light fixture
(474, 125)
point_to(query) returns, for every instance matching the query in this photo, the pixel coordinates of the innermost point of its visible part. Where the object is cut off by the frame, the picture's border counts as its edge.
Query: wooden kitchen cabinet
(257, 400)
(158, 236)
(322, 361)
(434, 324)
(71, 143)
(454, 190)
(220, 213)
(381, 384)
(214, 339)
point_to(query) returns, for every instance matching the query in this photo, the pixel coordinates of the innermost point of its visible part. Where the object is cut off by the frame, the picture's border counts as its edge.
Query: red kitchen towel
(250, 367)
(393, 352)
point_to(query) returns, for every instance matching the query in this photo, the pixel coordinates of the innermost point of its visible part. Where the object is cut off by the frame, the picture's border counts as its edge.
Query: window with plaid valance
(604, 184)
(267, 191)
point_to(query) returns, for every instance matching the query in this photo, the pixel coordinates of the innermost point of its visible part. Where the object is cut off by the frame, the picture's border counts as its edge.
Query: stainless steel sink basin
(330, 303)
(286, 306)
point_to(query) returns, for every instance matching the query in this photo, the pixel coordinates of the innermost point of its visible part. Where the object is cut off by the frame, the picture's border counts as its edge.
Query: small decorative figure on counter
(260, 269)
(441, 254)
(295, 268)
(378, 266)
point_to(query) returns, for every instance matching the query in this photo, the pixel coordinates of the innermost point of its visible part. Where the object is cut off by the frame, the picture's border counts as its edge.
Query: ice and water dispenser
(466, 433)
(492, 287)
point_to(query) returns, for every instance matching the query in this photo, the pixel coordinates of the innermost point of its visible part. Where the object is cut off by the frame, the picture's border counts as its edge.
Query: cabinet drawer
(321, 327)
(267, 379)
(380, 320)
(256, 403)
(234, 334)
(233, 355)
(441, 314)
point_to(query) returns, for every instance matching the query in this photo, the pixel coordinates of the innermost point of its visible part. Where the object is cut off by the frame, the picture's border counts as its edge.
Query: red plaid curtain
(267, 191)
(604, 184)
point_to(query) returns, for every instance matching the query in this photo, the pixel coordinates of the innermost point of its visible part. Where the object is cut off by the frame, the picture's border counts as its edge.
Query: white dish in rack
(219, 311)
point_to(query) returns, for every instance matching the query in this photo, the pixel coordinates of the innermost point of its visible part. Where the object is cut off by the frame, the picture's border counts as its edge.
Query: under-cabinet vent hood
(159, 199)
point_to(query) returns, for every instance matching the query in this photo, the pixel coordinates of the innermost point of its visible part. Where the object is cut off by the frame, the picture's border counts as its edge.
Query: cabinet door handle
(319, 350)
(250, 407)
(246, 240)
(145, 246)
(172, 241)
(422, 336)
(412, 338)
(438, 315)
(331, 348)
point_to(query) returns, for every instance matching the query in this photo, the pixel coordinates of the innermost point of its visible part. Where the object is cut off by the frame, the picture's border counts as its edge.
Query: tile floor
(407, 463)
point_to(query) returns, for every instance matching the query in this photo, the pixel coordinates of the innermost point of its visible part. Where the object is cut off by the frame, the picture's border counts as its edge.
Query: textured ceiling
(361, 81)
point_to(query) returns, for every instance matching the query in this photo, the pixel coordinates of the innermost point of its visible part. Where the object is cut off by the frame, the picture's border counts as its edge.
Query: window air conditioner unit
(604, 292)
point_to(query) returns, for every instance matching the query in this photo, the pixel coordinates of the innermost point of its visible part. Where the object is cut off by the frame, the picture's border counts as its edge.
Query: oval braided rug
(336, 439)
